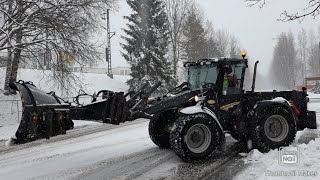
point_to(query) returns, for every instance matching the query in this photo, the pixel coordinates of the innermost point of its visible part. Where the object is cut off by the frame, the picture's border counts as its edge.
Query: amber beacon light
(243, 54)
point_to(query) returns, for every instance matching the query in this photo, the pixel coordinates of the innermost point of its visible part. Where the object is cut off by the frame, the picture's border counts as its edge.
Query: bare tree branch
(61, 28)
(312, 9)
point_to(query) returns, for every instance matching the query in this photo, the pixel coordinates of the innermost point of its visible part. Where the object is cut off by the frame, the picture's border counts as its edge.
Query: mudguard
(262, 105)
(198, 109)
(308, 122)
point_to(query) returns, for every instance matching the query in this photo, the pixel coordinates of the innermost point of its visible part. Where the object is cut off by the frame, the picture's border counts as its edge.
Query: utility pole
(108, 48)
(319, 58)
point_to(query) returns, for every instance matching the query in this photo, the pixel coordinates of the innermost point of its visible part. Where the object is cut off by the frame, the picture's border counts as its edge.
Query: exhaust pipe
(254, 76)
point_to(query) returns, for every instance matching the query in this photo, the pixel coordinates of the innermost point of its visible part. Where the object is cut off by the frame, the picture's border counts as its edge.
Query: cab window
(232, 80)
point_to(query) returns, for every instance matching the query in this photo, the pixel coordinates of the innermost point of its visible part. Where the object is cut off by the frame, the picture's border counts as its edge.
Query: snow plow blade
(45, 114)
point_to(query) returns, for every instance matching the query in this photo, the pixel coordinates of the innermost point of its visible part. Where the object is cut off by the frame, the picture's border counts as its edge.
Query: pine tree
(194, 42)
(146, 44)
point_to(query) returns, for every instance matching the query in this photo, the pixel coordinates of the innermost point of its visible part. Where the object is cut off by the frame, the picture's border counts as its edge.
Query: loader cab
(224, 75)
(225, 78)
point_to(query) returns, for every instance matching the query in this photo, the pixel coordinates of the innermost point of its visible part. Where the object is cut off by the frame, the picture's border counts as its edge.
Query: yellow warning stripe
(227, 106)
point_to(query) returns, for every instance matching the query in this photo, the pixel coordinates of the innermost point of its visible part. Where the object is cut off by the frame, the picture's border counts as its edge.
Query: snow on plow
(45, 114)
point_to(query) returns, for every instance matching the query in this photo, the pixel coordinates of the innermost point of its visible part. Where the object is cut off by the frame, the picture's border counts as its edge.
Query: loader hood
(167, 102)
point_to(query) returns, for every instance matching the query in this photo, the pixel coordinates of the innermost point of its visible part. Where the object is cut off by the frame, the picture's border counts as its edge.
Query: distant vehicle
(312, 87)
(192, 119)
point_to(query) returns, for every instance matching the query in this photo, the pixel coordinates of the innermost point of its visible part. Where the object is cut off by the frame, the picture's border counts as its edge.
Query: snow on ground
(10, 110)
(70, 158)
(269, 166)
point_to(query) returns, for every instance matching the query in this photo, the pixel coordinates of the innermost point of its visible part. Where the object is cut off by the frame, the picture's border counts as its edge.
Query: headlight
(196, 98)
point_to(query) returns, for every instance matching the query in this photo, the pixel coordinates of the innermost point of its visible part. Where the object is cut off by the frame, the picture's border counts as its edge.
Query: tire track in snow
(30, 155)
(212, 167)
(127, 167)
(142, 166)
(75, 133)
(29, 149)
(72, 135)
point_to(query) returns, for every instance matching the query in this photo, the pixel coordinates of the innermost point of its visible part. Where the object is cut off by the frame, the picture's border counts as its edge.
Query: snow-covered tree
(211, 43)
(235, 51)
(146, 44)
(223, 40)
(194, 41)
(58, 27)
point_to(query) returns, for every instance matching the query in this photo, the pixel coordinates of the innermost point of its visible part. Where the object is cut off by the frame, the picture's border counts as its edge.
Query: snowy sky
(254, 27)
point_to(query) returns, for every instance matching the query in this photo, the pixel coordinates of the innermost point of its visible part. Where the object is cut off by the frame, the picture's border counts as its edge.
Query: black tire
(239, 130)
(209, 142)
(159, 130)
(273, 128)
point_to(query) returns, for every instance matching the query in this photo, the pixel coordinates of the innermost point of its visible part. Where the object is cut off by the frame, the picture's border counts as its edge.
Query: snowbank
(270, 165)
(313, 96)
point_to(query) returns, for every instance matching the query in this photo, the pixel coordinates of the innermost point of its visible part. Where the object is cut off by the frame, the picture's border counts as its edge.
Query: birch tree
(283, 64)
(177, 11)
(302, 54)
(314, 55)
(222, 37)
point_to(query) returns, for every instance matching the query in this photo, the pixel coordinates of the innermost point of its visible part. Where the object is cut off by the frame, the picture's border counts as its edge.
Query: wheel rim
(276, 128)
(198, 138)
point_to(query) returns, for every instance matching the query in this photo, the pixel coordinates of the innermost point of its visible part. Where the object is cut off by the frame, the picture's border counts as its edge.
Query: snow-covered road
(73, 154)
(102, 152)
